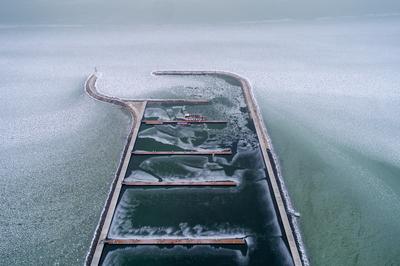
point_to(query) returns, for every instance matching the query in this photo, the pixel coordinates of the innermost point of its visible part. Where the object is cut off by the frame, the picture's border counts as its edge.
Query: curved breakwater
(260, 196)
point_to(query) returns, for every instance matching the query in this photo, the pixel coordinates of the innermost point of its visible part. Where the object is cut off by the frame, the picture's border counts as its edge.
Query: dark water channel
(243, 211)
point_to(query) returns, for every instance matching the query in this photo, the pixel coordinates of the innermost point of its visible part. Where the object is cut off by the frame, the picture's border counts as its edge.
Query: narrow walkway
(178, 101)
(200, 152)
(160, 122)
(178, 241)
(226, 183)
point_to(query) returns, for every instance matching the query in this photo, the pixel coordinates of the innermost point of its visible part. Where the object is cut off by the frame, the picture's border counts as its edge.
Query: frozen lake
(328, 90)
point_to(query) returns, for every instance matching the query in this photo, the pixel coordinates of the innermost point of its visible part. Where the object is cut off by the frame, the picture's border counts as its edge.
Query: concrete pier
(161, 122)
(178, 101)
(177, 241)
(200, 152)
(136, 109)
(224, 183)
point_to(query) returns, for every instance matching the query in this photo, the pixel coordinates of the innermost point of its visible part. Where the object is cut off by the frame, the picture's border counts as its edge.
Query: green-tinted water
(246, 211)
(328, 90)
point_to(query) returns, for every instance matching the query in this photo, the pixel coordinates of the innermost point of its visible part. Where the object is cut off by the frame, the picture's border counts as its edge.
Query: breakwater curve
(198, 165)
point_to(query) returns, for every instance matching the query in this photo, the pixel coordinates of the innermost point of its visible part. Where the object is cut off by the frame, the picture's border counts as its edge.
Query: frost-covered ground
(328, 89)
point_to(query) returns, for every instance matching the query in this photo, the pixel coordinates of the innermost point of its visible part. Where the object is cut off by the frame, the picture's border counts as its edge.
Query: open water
(328, 90)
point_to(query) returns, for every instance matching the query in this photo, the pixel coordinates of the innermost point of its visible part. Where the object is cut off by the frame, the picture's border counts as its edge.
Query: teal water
(175, 255)
(199, 212)
(191, 167)
(181, 137)
(360, 191)
(328, 90)
(245, 211)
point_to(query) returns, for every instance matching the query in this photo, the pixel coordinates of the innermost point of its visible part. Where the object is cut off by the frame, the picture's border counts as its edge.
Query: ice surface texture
(328, 89)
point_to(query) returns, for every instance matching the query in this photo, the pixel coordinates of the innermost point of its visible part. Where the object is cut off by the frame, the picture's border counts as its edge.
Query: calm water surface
(328, 91)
